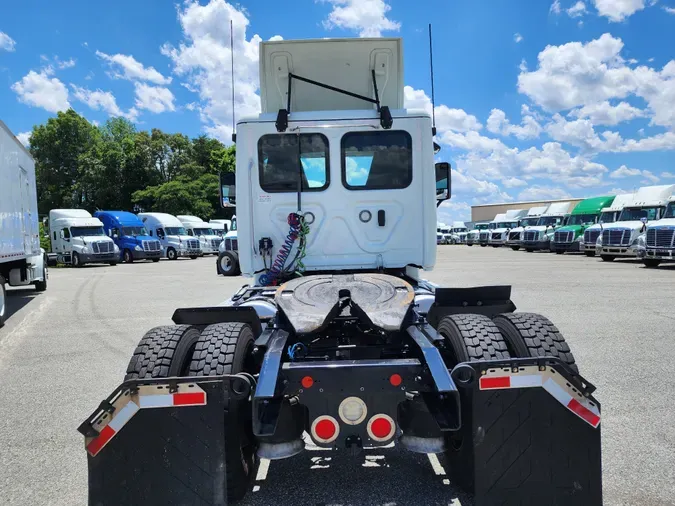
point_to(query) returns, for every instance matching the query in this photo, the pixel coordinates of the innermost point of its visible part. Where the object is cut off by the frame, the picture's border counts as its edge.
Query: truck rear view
(338, 337)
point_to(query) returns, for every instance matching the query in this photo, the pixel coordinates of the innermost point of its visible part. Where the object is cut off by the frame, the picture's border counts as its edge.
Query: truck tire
(163, 352)
(228, 263)
(589, 254)
(650, 263)
(194, 257)
(171, 254)
(559, 252)
(225, 348)
(75, 260)
(155, 260)
(607, 258)
(470, 338)
(529, 250)
(515, 248)
(483, 245)
(3, 302)
(469, 245)
(127, 256)
(41, 286)
(534, 335)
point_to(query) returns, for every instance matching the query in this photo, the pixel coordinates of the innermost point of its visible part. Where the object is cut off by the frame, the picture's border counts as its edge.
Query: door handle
(381, 218)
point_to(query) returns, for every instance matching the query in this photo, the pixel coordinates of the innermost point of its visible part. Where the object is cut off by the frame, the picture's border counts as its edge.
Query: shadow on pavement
(17, 298)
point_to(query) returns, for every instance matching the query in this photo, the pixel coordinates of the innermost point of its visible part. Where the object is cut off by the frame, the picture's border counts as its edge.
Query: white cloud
(367, 17)
(7, 43)
(486, 191)
(452, 210)
(40, 90)
(669, 10)
(668, 175)
(649, 177)
(577, 10)
(24, 138)
(604, 113)
(65, 64)
(127, 67)
(543, 193)
(154, 98)
(517, 38)
(618, 10)
(555, 7)
(513, 182)
(659, 142)
(624, 171)
(580, 133)
(446, 118)
(497, 123)
(102, 101)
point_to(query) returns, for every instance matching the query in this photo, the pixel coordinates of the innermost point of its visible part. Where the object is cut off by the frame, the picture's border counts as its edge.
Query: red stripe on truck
(96, 444)
(189, 399)
(495, 382)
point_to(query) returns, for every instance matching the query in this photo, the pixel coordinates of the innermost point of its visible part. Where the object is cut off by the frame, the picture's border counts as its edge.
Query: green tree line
(115, 166)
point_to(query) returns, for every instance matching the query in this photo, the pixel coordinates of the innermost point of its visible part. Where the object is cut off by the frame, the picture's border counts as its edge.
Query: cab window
(377, 160)
(66, 233)
(283, 165)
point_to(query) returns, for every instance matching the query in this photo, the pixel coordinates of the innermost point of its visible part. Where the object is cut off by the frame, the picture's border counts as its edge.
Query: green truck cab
(585, 214)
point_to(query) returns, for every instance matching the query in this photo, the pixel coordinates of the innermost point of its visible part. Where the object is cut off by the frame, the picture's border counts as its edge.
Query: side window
(66, 233)
(115, 231)
(160, 232)
(377, 160)
(190, 231)
(280, 161)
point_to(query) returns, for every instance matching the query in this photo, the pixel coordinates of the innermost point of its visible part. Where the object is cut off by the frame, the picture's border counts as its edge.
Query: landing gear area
(350, 361)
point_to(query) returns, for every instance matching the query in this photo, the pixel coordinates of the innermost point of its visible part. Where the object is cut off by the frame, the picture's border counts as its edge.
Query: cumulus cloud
(669, 10)
(102, 101)
(517, 38)
(366, 17)
(497, 123)
(543, 193)
(127, 67)
(154, 98)
(453, 210)
(38, 89)
(7, 43)
(447, 118)
(577, 10)
(555, 7)
(604, 113)
(24, 138)
(618, 10)
(624, 171)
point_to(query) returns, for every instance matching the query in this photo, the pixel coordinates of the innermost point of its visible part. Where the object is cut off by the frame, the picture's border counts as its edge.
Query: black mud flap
(531, 435)
(159, 441)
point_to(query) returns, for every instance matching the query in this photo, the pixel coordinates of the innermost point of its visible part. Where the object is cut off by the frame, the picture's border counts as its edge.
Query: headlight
(138, 248)
(115, 248)
(640, 241)
(181, 245)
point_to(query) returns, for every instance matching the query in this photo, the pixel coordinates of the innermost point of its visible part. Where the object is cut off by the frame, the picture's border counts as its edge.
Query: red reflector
(498, 382)
(189, 398)
(584, 412)
(307, 382)
(395, 379)
(325, 429)
(99, 442)
(381, 427)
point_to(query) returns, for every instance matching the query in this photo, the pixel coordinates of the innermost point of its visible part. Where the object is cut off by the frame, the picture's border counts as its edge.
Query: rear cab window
(283, 165)
(377, 160)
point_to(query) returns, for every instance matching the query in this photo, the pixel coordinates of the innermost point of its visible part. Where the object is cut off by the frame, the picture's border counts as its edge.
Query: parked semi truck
(338, 335)
(130, 236)
(585, 214)
(510, 221)
(621, 238)
(228, 252)
(196, 227)
(473, 237)
(514, 239)
(459, 232)
(484, 235)
(22, 261)
(171, 234)
(607, 215)
(539, 236)
(659, 240)
(77, 239)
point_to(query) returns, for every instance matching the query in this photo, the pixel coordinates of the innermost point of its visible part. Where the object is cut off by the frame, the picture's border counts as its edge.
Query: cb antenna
(433, 100)
(234, 133)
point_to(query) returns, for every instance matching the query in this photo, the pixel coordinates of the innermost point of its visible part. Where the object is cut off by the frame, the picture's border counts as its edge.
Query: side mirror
(227, 189)
(443, 182)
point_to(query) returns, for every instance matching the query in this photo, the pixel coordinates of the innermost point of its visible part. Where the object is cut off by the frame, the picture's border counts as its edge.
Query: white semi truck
(196, 227)
(539, 236)
(515, 236)
(511, 220)
(22, 261)
(337, 337)
(171, 234)
(621, 238)
(607, 215)
(77, 239)
(459, 232)
(473, 237)
(659, 241)
(484, 235)
(228, 252)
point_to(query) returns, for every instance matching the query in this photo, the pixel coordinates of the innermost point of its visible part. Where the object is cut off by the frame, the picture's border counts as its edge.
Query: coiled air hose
(298, 229)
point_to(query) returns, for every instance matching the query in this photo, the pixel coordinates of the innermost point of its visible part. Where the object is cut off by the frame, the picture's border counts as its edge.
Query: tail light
(325, 429)
(381, 427)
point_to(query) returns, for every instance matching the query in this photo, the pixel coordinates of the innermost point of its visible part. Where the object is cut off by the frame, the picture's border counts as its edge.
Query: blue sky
(535, 98)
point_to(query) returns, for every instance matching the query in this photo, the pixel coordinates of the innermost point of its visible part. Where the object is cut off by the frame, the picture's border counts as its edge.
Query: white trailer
(22, 261)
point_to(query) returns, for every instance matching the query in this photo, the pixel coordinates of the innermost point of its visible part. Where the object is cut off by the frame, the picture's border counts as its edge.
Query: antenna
(234, 134)
(433, 100)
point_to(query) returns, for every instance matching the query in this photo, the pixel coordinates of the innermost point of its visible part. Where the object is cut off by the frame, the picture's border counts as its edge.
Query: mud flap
(159, 442)
(531, 435)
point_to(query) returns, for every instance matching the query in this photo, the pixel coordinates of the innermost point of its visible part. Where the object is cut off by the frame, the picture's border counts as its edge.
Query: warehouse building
(487, 212)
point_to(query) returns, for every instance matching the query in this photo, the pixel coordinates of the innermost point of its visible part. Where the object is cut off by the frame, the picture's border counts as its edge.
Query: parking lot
(64, 350)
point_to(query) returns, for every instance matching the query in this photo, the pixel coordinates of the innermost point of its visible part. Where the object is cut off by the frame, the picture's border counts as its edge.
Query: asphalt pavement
(64, 350)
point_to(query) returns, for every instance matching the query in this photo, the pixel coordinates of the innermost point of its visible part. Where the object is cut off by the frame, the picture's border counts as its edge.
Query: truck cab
(220, 227)
(509, 221)
(621, 238)
(585, 214)
(539, 236)
(659, 240)
(228, 252)
(514, 238)
(473, 237)
(130, 236)
(172, 236)
(608, 215)
(459, 232)
(486, 235)
(196, 227)
(78, 239)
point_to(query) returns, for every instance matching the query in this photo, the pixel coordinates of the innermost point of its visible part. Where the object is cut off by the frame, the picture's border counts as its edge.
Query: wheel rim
(2, 301)
(76, 259)
(127, 256)
(226, 264)
(172, 254)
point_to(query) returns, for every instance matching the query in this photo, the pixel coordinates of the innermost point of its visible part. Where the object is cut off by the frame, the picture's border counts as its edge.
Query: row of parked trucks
(451, 234)
(639, 224)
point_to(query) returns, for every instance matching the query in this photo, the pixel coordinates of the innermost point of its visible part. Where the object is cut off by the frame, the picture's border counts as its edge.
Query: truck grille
(530, 235)
(590, 236)
(616, 237)
(484, 236)
(102, 247)
(514, 236)
(151, 246)
(496, 236)
(215, 243)
(661, 237)
(564, 237)
(193, 244)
